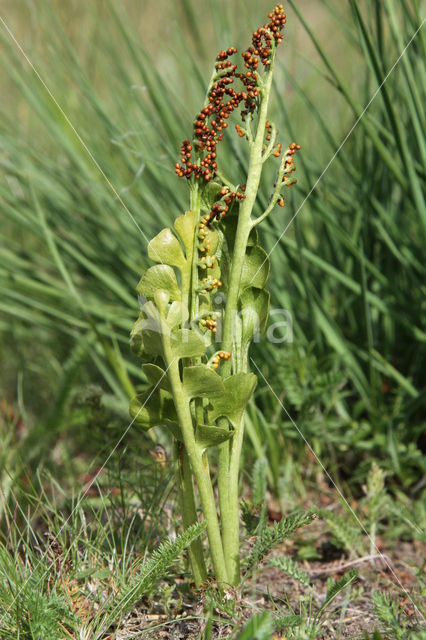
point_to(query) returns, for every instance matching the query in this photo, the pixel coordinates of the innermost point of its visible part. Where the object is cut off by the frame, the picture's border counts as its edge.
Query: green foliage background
(77, 212)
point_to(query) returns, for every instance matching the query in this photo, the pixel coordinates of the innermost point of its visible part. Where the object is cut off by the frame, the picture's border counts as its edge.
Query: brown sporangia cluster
(199, 160)
(221, 207)
(277, 151)
(262, 40)
(289, 162)
(210, 122)
(209, 323)
(289, 167)
(210, 284)
(268, 134)
(268, 127)
(222, 355)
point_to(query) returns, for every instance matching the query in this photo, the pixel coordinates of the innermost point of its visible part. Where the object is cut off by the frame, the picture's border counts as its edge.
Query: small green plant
(270, 537)
(291, 568)
(29, 606)
(344, 531)
(259, 627)
(392, 619)
(376, 501)
(254, 513)
(205, 301)
(306, 624)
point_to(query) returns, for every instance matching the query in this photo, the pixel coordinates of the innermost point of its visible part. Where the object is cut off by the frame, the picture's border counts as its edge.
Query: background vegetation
(88, 140)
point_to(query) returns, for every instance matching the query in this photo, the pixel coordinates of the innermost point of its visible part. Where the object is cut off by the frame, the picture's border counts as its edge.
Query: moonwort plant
(196, 347)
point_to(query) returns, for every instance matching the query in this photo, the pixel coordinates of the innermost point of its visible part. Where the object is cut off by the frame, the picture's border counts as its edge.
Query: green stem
(195, 207)
(189, 512)
(276, 194)
(198, 465)
(229, 459)
(231, 534)
(184, 476)
(244, 222)
(223, 482)
(190, 457)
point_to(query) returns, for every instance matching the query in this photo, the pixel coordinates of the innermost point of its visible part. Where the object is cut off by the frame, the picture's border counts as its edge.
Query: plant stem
(244, 221)
(223, 482)
(198, 466)
(195, 207)
(189, 512)
(229, 462)
(183, 475)
(229, 458)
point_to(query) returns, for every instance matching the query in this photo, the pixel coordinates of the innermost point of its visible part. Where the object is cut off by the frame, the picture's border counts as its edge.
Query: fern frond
(376, 493)
(272, 536)
(153, 569)
(288, 622)
(336, 587)
(259, 627)
(348, 535)
(387, 611)
(291, 568)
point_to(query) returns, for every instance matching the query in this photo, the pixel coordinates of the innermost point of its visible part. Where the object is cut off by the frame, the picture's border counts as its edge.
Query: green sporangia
(194, 343)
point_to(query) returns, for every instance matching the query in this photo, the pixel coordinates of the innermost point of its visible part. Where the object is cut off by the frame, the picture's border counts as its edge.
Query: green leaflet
(230, 224)
(187, 343)
(200, 381)
(209, 194)
(256, 268)
(226, 250)
(148, 573)
(253, 237)
(150, 312)
(334, 588)
(204, 303)
(161, 301)
(185, 228)
(213, 239)
(259, 627)
(145, 336)
(156, 407)
(161, 277)
(159, 284)
(210, 436)
(153, 408)
(254, 311)
(232, 403)
(165, 248)
(177, 315)
(136, 341)
(156, 376)
(147, 331)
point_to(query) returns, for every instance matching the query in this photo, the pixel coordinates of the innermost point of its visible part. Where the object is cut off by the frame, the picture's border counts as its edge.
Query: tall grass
(349, 268)
(352, 268)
